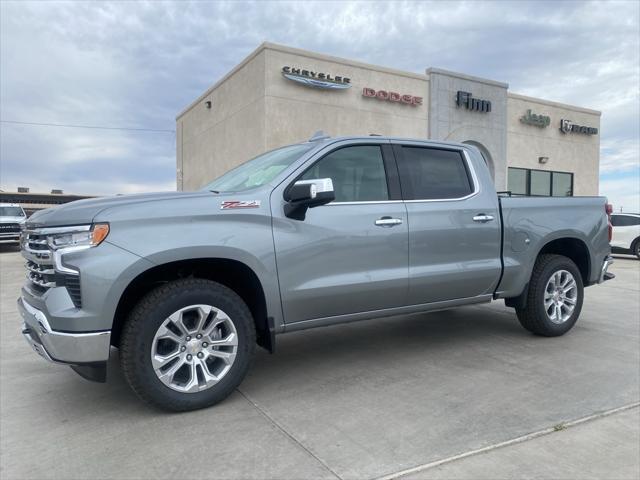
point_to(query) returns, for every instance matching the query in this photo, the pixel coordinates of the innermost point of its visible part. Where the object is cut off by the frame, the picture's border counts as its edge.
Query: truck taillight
(608, 208)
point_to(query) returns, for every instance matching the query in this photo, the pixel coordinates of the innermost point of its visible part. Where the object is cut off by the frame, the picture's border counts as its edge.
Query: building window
(530, 182)
(540, 183)
(562, 184)
(517, 181)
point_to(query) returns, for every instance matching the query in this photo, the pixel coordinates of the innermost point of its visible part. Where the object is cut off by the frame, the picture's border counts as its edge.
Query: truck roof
(320, 137)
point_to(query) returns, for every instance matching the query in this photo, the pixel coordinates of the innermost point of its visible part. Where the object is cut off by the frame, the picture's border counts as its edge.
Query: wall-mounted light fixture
(207, 104)
(543, 160)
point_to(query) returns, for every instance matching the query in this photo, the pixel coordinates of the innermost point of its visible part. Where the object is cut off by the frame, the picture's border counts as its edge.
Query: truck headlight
(80, 236)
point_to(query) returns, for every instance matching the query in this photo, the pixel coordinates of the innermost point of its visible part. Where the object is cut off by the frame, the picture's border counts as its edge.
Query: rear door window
(433, 174)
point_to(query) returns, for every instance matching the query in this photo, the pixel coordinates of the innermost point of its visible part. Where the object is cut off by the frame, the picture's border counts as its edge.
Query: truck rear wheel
(187, 345)
(555, 296)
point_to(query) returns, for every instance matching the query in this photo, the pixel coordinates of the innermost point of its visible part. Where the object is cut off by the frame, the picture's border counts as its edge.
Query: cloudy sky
(137, 64)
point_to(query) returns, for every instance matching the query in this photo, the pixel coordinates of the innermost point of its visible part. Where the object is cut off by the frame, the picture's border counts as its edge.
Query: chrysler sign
(310, 78)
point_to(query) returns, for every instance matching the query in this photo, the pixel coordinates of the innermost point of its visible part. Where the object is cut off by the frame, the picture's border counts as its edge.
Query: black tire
(635, 248)
(145, 319)
(534, 317)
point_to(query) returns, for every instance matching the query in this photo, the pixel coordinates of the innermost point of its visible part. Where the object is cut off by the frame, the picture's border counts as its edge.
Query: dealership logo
(391, 96)
(316, 79)
(535, 120)
(567, 126)
(465, 99)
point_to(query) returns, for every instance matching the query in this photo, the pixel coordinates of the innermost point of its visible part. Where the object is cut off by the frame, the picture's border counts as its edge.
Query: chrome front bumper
(604, 274)
(62, 347)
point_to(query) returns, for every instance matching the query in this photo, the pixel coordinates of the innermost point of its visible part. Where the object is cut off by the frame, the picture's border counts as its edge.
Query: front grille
(36, 241)
(41, 274)
(9, 228)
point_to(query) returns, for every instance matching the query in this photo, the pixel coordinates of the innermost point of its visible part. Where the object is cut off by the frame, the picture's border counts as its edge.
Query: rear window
(432, 174)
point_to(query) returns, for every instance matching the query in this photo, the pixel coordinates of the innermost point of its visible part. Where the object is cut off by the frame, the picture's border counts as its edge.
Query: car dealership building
(280, 95)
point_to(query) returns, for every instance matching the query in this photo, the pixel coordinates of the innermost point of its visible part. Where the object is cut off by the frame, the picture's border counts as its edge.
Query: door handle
(483, 218)
(388, 222)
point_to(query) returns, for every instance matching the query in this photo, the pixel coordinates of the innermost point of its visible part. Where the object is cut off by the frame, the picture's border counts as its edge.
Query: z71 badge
(229, 204)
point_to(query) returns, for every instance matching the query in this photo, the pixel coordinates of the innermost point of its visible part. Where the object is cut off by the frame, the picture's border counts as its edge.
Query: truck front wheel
(555, 296)
(187, 345)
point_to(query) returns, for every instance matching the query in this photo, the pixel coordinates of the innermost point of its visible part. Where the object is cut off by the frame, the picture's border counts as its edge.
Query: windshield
(11, 212)
(258, 171)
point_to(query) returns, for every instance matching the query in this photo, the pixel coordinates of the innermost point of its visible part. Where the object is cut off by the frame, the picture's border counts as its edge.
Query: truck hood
(83, 212)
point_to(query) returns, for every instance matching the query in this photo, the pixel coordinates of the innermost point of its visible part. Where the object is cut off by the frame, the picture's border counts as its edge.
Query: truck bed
(531, 223)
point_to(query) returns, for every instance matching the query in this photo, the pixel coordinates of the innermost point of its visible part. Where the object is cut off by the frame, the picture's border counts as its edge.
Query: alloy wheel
(194, 348)
(560, 296)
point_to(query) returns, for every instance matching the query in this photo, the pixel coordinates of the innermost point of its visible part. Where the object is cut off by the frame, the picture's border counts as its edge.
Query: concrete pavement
(606, 448)
(362, 400)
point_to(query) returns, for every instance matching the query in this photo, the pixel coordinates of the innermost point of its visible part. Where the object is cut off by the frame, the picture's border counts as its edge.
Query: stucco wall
(212, 141)
(255, 108)
(295, 112)
(567, 152)
(458, 124)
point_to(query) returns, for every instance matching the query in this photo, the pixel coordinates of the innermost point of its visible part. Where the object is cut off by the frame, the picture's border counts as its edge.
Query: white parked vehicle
(626, 233)
(12, 218)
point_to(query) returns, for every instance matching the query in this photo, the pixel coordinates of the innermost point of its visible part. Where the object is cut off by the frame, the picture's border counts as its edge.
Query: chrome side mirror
(305, 194)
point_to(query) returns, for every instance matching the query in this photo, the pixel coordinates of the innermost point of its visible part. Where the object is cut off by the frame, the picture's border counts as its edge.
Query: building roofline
(302, 53)
(228, 75)
(555, 104)
(343, 61)
(354, 63)
(464, 76)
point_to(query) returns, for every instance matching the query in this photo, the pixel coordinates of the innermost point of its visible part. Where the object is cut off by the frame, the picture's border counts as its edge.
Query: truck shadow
(322, 354)
(399, 340)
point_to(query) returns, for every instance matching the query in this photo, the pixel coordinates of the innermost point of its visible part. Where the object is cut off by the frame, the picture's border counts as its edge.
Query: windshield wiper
(214, 191)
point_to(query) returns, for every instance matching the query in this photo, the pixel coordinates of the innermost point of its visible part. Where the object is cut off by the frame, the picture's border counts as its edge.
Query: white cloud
(619, 155)
(137, 64)
(623, 193)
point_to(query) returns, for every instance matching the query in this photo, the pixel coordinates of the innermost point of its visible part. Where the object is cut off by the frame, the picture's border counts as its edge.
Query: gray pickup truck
(327, 231)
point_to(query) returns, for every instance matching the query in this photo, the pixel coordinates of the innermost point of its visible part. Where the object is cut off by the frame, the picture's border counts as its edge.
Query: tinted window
(357, 173)
(428, 173)
(624, 220)
(524, 181)
(517, 181)
(562, 184)
(540, 182)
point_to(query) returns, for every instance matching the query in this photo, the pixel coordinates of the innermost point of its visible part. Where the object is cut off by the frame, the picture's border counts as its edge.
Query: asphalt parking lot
(413, 396)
